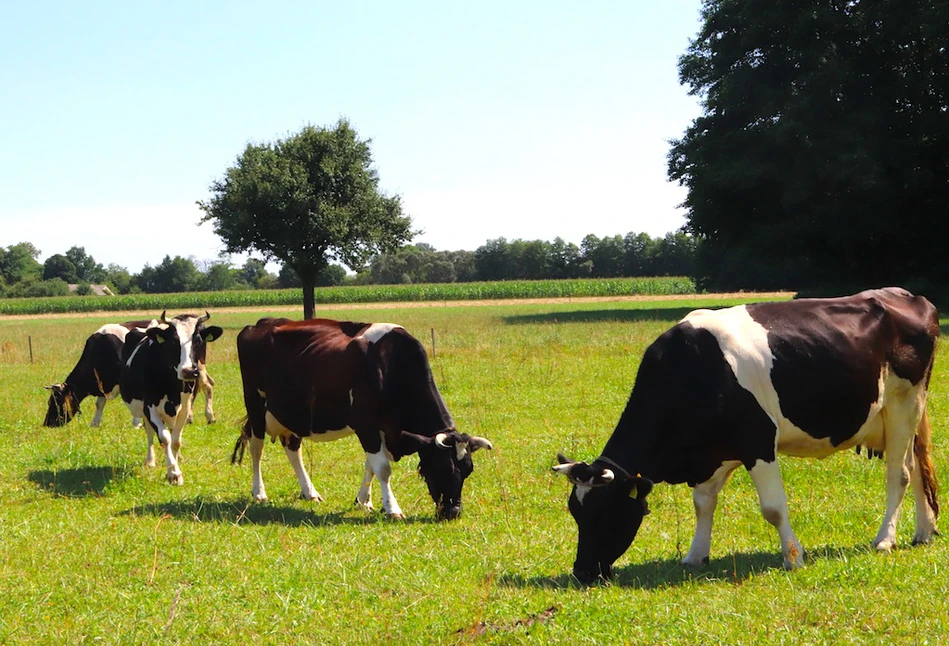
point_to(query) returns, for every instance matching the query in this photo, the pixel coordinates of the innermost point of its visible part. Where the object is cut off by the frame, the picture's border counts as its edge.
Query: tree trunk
(309, 283)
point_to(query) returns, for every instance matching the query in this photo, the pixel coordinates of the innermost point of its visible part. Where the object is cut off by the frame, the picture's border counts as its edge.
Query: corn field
(672, 285)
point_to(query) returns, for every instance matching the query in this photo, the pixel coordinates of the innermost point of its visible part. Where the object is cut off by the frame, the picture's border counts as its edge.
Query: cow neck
(631, 445)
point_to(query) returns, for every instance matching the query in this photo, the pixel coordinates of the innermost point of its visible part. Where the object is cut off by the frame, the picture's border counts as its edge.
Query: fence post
(30, 340)
(433, 343)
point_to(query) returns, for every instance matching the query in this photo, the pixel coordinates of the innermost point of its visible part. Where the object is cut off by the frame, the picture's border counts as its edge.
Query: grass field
(97, 548)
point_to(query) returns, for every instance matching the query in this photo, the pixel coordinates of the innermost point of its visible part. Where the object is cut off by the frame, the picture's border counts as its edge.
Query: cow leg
(705, 499)
(382, 468)
(899, 467)
(174, 475)
(900, 422)
(256, 451)
(364, 497)
(292, 448)
(150, 453)
(137, 409)
(925, 516)
(207, 387)
(774, 508)
(100, 407)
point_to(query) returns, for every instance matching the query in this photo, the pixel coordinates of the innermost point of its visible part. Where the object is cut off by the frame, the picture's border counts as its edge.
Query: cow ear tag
(634, 492)
(160, 338)
(210, 337)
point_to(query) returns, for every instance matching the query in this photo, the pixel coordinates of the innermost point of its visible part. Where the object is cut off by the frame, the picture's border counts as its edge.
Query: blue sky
(515, 119)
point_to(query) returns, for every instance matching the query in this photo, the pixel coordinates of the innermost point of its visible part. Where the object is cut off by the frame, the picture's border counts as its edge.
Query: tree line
(821, 158)
(635, 254)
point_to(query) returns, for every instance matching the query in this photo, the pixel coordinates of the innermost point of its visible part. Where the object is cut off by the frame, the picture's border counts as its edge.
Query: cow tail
(237, 457)
(922, 449)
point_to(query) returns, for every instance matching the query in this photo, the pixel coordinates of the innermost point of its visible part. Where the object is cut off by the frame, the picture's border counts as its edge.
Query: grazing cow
(734, 387)
(97, 373)
(159, 374)
(325, 379)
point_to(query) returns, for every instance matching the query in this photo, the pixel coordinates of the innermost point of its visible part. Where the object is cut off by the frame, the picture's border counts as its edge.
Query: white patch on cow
(134, 352)
(151, 324)
(582, 491)
(115, 330)
(262, 394)
(744, 344)
(276, 429)
(185, 330)
(378, 330)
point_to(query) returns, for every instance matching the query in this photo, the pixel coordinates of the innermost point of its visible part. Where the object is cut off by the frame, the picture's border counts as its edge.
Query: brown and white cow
(97, 373)
(735, 387)
(323, 379)
(159, 377)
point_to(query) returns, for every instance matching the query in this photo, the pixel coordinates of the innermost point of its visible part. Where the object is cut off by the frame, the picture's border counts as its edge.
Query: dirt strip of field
(763, 296)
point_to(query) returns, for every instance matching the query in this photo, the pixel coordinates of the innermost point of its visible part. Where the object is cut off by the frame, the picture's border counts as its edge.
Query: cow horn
(202, 319)
(480, 443)
(163, 320)
(440, 441)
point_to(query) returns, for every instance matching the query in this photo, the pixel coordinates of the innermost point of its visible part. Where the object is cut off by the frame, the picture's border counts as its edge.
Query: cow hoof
(149, 463)
(211, 419)
(314, 496)
(695, 562)
(885, 545)
(793, 564)
(397, 516)
(365, 505)
(260, 498)
(175, 479)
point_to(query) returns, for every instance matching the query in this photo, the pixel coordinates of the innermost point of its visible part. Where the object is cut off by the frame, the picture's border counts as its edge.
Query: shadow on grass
(732, 568)
(670, 314)
(77, 483)
(202, 510)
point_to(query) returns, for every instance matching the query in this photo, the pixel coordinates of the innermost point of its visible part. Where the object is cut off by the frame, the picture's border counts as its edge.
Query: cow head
(183, 341)
(63, 405)
(444, 463)
(608, 510)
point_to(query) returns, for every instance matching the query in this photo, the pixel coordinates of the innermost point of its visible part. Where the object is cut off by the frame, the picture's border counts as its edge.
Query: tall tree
(822, 152)
(18, 263)
(306, 200)
(87, 268)
(59, 266)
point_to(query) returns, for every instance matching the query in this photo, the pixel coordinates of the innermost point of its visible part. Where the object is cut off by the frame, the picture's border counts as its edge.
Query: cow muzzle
(451, 511)
(589, 573)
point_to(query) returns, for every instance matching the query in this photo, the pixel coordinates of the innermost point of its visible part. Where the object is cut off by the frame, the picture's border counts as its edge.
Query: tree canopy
(306, 200)
(822, 152)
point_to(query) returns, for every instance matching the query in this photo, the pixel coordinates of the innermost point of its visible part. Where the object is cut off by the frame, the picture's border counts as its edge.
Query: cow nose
(189, 374)
(586, 574)
(449, 512)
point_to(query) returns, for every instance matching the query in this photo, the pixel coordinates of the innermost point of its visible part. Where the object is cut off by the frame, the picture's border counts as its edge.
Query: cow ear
(212, 333)
(581, 473)
(638, 487)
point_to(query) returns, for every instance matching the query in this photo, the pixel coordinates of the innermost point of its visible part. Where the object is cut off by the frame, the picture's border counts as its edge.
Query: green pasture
(94, 547)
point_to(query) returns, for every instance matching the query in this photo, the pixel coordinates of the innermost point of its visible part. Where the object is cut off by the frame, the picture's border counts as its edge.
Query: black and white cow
(735, 387)
(97, 373)
(323, 380)
(159, 375)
